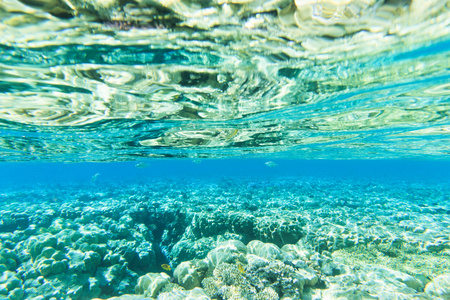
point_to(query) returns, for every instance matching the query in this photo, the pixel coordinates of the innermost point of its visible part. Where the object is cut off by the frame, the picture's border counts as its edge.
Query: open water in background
(29, 174)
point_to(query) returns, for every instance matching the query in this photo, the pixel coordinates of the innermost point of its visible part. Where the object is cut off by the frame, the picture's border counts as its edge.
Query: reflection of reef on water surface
(295, 18)
(221, 78)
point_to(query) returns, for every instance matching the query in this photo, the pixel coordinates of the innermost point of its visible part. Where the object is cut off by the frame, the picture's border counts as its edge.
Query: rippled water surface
(104, 81)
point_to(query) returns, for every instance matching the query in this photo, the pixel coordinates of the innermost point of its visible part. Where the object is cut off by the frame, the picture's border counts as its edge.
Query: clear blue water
(139, 137)
(126, 172)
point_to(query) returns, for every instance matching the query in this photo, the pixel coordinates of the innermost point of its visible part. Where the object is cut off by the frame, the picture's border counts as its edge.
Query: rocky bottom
(227, 238)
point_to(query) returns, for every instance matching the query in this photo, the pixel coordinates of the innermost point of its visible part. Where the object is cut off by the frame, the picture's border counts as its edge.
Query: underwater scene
(224, 149)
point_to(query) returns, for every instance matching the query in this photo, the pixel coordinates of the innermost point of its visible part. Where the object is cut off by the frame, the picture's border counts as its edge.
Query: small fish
(241, 268)
(94, 178)
(141, 165)
(166, 267)
(271, 164)
(196, 160)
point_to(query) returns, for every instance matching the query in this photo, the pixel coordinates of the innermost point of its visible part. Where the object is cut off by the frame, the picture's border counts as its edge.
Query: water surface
(307, 79)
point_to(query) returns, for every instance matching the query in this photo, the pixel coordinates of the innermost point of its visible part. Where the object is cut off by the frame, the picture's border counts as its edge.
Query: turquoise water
(234, 149)
(359, 80)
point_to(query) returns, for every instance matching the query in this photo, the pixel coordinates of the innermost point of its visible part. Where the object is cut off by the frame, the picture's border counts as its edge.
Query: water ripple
(349, 79)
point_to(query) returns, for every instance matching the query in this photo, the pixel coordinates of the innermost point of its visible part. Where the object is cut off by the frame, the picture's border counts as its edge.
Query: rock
(75, 292)
(297, 251)
(128, 297)
(375, 272)
(226, 252)
(3, 268)
(267, 293)
(112, 276)
(309, 277)
(437, 246)
(186, 275)
(94, 288)
(188, 249)
(91, 261)
(16, 294)
(13, 221)
(206, 225)
(59, 267)
(439, 287)
(48, 291)
(372, 282)
(330, 269)
(264, 250)
(8, 259)
(76, 261)
(348, 293)
(195, 294)
(36, 245)
(9, 281)
(151, 284)
(47, 252)
(127, 221)
(45, 267)
(278, 231)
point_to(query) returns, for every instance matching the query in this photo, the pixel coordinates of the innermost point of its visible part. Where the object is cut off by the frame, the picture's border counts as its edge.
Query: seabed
(227, 238)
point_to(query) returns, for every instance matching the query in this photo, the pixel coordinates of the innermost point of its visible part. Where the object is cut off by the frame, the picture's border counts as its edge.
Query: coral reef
(439, 287)
(186, 275)
(113, 242)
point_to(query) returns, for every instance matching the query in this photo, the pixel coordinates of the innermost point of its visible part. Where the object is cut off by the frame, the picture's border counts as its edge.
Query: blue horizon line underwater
(33, 172)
